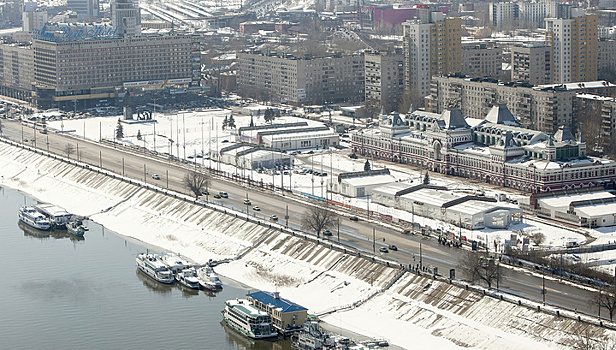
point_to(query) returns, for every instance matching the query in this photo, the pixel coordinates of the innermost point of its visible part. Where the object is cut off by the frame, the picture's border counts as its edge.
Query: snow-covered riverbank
(414, 312)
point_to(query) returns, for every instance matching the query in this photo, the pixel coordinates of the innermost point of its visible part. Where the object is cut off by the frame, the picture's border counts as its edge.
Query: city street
(358, 234)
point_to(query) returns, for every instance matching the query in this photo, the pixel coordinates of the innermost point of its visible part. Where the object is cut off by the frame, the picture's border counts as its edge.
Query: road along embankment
(349, 289)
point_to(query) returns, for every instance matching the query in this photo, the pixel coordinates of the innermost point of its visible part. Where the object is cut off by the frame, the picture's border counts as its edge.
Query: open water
(61, 292)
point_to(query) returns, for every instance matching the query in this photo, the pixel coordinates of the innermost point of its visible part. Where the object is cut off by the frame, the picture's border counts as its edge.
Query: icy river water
(58, 292)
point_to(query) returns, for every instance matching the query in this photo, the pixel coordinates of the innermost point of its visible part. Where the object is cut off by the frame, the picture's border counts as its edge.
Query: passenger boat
(188, 278)
(248, 320)
(56, 215)
(76, 227)
(175, 263)
(152, 266)
(29, 216)
(208, 279)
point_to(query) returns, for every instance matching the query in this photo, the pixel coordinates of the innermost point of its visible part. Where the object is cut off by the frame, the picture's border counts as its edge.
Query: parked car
(155, 177)
(354, 218)
(393, 247)
(256, 208)
(383, 250)
(327, 233)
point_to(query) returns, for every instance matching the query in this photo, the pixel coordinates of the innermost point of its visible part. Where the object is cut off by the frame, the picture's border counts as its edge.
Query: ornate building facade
(496, 150)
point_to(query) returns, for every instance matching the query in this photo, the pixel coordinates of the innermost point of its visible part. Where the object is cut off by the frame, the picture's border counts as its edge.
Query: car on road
(327, 233)
(205, 193)
(406, 232)
(256, 208)
(383, 250)
(155, 177)
(354, 218)
(393, 247)
(247, 202)
(217, 196)
(223, 194)
(274, 218)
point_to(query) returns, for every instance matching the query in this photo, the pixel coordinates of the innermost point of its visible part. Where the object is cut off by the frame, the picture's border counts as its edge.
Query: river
(60, 292)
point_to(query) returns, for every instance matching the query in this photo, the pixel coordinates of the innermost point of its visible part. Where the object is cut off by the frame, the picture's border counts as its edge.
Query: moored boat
(208, 279)
(152, 266)
(76, 228)
(188, 278)
(58, 217)
(29, 216)
(175, 263)
(248, 320)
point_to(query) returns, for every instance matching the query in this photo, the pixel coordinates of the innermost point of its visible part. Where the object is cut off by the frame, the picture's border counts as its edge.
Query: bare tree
(538, 238)
(592, 338)
(480, 266)
(318, 218)
(196, 182)
(69, 149)
(606, 298)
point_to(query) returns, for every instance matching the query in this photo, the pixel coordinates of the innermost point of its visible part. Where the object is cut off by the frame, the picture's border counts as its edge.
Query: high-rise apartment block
(481, 60)
(16, 71)
(301, 80)
(33, 20)
(504, 14)
(384, 79)
(432, 46)
(606, 55)
(85, 9)
(531, 63)
(574, 42)
(125, 16)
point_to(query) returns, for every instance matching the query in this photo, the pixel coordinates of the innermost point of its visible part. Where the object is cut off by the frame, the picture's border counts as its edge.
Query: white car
(156, 177)
(256, 208)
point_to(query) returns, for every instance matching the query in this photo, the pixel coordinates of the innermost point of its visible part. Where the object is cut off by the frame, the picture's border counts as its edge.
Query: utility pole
(338, 229)
(144, 172)
(286, 217)
(100, 159)
(167, 176)
(420, 254)
(373, 240)
(543, 287)
(122, 166)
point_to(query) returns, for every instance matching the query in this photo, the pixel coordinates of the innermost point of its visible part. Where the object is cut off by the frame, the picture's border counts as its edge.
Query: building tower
(432, 46)
(126, 16)
(85, 9)
(574, 41)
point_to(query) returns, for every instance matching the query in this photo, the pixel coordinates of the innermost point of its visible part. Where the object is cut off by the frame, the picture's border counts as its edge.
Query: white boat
(248, 320)
(76, 227)
(209, 279)
(188, 278)
(29, 216)
(56, 215)
(175, 263)
(152, 266)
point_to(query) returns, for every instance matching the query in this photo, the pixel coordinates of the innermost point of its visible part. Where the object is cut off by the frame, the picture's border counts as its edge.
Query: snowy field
(415, 312)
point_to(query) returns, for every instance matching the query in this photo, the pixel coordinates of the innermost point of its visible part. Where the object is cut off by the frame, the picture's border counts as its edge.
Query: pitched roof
(281, 304)
(453, 119)
(563, 134)
(500, 114)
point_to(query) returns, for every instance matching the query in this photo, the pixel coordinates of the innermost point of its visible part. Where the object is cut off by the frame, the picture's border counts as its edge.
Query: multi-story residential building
(608, 126)
(384, 72)
(481, 60)
(496, 150)
(574, 42)
(543, 107)
(606, 56)
(299, 81)
(85, 9)
(33, 20)
(532, 14)
(530, 63)
(67, 71)
(432, 46)
(504, 14)
(16, 71)
(126, 17)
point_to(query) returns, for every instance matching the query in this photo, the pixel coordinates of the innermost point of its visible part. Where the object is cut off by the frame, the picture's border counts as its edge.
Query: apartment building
(504, 14)
(298, 81)
(574, 42)
(384, 74)
(85, 9)
(126, 17)
(98, 68)
(432, 46)
(532, 14)
(608, 125)
(16, 71)
(606, 55)
(542, 107)
(531, 63)
(481, 60)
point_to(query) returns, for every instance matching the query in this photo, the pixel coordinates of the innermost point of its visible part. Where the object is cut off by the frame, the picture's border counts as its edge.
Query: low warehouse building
(361, 183)
(248, 156)
(583, 207)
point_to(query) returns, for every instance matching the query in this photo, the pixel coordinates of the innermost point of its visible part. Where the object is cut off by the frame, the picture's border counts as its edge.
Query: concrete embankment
(352, 291)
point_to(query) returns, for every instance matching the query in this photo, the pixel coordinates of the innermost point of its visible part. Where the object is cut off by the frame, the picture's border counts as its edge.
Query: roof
(500, 114)
(596, 210)
(564, 201)
(370, 180)
(453, 119)
(280, 304)
(563, 134)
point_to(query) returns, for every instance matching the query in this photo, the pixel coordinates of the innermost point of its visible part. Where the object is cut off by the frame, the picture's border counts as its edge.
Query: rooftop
(279, 304)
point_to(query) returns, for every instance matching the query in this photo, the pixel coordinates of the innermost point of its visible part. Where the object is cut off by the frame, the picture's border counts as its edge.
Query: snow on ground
(415, 312)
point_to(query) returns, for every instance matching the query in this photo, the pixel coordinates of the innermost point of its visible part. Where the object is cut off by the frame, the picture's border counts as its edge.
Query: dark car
(247, 202)
(217, 196)
(354, 218)
(406, 232)
(393, 247)
(383, 250)
(327, 233)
